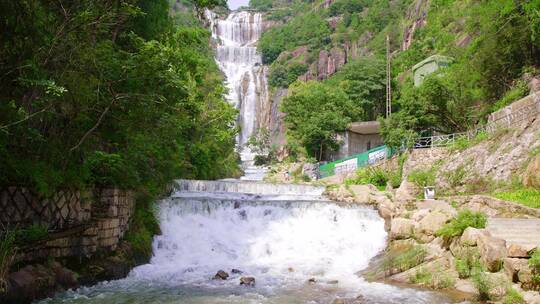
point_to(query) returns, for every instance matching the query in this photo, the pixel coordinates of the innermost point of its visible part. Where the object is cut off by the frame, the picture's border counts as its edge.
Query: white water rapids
(283, 235)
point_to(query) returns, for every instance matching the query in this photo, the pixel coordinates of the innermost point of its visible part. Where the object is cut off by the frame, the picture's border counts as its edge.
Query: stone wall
(516, 114)
(423, 159)
(21, 207)
(79, 223)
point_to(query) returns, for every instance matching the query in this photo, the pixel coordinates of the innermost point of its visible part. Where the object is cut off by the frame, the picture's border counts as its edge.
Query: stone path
(524, 232)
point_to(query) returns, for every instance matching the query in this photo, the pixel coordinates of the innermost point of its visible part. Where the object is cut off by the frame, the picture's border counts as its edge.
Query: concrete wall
(354, 143)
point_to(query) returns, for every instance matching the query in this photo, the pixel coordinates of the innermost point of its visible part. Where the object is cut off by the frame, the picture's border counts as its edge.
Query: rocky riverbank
(478, 263)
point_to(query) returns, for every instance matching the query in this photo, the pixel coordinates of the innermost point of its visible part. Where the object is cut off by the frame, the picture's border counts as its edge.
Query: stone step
(515, 231)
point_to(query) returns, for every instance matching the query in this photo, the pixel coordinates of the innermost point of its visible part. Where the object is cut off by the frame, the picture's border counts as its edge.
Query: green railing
(354, 162)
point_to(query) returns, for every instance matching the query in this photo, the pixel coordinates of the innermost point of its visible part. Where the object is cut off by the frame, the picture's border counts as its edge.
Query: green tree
(315, 112)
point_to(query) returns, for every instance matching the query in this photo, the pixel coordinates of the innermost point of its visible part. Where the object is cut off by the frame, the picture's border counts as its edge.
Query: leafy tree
(364, 82)
(315, 112)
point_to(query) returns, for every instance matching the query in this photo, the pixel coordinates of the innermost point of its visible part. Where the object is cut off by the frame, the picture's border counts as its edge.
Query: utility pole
(388, 79)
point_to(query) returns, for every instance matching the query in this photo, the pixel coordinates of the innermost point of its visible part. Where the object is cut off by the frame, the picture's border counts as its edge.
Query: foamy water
(282, 243)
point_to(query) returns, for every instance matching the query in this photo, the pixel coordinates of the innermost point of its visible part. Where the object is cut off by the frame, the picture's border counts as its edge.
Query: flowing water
(282, 235)
(237, 57)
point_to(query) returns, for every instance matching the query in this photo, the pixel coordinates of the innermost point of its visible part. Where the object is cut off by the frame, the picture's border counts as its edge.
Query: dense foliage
(314, 112)
(494, 45)
(109, 93)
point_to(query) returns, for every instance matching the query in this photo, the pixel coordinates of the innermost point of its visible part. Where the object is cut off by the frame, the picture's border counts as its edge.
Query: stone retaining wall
(423, 159)
(21, 208)
(79, 223)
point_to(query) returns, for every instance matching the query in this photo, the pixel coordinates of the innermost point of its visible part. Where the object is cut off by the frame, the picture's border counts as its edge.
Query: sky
(234, 4)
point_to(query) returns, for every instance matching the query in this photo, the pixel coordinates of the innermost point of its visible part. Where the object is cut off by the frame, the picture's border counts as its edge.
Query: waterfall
(237, 57)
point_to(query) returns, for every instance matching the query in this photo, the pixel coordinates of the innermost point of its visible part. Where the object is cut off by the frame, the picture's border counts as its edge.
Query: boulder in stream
(236, 271)
(248, 281)
(221, 275)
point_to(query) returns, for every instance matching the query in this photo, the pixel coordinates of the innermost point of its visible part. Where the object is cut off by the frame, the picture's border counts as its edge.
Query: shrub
(465, 218)
(7, 255)
(432, 279)
(143, 227)
(404, 259)
(469, 261)
(422, 178)
(31, 234)
(534, 263)
(482, 283)
(370, 175)
(513, 297)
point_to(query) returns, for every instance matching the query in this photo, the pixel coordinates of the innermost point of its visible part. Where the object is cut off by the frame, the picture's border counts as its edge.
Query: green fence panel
(355, 161)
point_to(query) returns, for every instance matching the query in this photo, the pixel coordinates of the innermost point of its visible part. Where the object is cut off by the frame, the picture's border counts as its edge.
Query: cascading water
(237, 57)
(283, 235)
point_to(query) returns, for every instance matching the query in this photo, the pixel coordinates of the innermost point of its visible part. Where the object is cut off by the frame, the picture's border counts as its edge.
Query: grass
(142, 229)
(463, 142)
(422, 178)
(8, 250)
(534, 263)
(432, 279)
(30, 235)
(483, 284)
(529, 197)
(370, 175)
(467, 262)
(465, 218)
(513, 297)
(404, 259)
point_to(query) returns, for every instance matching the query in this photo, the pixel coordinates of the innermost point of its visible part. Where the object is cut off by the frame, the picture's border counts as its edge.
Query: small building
(360, 137)
(429, 66)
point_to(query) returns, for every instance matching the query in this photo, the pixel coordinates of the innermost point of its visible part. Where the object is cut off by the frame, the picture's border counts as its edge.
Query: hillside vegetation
(494, 44)
(121, 93)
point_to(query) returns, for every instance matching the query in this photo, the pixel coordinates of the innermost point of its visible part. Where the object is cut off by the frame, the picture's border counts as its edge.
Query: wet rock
(290, 269)
(333, 282)
(312, 280)
(248, 281)
(221, 275)
(236, 271)
(339, 301)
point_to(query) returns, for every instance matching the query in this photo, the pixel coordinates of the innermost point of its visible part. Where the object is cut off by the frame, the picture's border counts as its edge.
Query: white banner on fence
(346, 166)
(374, 157)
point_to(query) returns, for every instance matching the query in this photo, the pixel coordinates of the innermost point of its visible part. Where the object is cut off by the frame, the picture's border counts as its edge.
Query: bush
(370, 175)
(467, 263)
(435, 280)
(143, 227)
(513, 297)
(404, 259)
(465, 218)
(534, 263)
(482, 283)
(31, 234)
(422, 178)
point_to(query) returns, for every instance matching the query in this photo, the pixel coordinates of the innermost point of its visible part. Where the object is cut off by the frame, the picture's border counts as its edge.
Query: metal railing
(516, 116)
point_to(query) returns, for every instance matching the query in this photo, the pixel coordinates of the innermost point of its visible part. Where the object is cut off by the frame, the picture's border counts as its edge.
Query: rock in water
(221, 275)
(236, 271)
(312, 281)
(248, 281)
